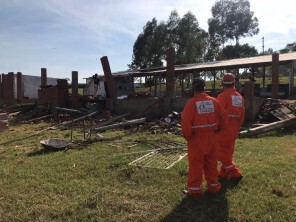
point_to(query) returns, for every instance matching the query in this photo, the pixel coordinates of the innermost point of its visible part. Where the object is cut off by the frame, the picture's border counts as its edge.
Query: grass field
(95, 182)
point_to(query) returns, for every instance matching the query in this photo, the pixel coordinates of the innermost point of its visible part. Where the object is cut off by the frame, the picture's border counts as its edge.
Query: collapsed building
(163, 95)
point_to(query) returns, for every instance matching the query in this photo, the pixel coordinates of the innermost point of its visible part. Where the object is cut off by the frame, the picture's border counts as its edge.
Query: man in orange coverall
(234, 105)
(202, 118)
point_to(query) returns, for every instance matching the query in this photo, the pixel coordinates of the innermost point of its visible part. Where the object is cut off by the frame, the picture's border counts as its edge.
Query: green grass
(95, 182)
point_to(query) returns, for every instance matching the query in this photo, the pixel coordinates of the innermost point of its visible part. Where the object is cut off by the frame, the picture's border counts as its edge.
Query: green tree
(238, 51)
(269, 51)
(291, 47)
(172, 29)
(190, 40)
(183, 34)
(143, 55)
(232, 19)
(212, 49)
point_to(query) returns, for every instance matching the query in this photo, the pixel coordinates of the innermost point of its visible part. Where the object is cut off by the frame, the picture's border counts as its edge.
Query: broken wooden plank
(20, 107)
(80, 118)
(38, 118)
(268, 127)
(111, 120)
(282, 113)
(118, 125)
(70, 110)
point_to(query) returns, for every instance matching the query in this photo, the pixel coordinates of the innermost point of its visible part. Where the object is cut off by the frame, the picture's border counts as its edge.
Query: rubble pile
(170, 124)
(272, 111)
(267, 112)
(139, 95)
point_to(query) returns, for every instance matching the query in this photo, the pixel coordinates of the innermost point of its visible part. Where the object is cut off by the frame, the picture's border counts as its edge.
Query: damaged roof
(263, 60)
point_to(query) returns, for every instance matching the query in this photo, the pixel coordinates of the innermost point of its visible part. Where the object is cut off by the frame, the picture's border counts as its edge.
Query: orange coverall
(201, 116)
(234, 105)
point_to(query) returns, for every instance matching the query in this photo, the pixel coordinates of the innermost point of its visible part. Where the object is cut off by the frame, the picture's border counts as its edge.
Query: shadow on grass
(43, 152)
(209, 207)
(18, 139)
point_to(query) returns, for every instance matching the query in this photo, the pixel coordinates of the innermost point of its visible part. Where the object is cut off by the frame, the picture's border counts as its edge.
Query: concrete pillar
(43, 77)
(275, 76)
(74, 83)
(109, 78)
(19, 86)
(249, 99)
(170, 80)
(9, 86)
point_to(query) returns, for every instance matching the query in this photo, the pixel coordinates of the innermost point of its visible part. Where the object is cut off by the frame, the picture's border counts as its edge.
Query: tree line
(231, 20)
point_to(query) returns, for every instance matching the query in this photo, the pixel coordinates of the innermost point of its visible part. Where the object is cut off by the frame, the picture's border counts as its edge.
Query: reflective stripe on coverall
(234, 105)
(200, 117)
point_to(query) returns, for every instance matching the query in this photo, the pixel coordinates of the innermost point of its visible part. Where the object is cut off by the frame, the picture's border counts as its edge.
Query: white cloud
(82, 31)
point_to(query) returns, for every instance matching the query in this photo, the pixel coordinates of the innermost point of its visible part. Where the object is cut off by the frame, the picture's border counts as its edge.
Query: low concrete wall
(179, 103)
(151, 108)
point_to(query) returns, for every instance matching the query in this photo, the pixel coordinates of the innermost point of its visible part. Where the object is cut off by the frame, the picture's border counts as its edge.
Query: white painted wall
(31, 85)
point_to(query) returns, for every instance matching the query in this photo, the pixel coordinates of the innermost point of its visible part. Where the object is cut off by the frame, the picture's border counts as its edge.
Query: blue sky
(72, 35)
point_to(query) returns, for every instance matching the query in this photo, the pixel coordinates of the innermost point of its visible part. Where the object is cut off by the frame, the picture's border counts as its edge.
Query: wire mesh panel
(160, 158)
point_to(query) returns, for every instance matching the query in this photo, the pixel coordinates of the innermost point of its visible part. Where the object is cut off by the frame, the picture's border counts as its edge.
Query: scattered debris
(23, 107)
(274, 114)
(162, 158)
(268, 127)
(139, 95)
(70, 110)
(282, 113)
(39, 118)
(118, 125)
(4, 122)
(80, 118)
(111, 120)
(54, 144)
(269, 111)
(170, 124)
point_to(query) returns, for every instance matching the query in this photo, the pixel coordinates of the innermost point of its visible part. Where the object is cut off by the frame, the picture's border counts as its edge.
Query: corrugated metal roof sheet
(232, 63)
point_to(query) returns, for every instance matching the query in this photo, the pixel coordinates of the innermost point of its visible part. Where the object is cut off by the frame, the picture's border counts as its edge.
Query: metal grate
(163, 158)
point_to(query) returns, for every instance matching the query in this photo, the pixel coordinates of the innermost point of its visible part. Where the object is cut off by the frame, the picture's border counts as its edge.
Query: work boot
(195, 194)
(214, 187)
(223, 174)
(235, 175)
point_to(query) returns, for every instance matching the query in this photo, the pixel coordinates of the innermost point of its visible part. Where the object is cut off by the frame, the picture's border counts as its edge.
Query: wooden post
(263, 78)
(133, 84)
(214, 86)
(275, 76)
(170, 81)
(182, 82)
(155, 85)
(291, 78)
(249, 99)
(150, 86)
